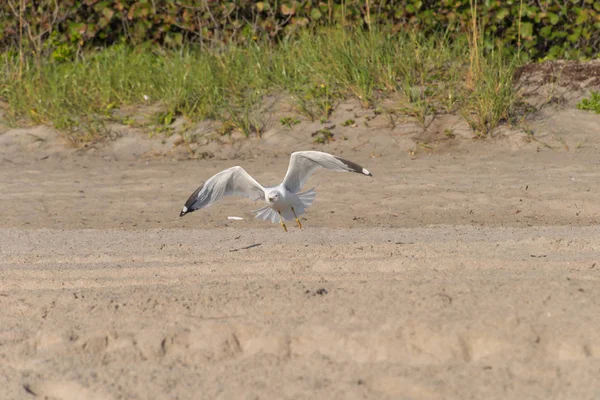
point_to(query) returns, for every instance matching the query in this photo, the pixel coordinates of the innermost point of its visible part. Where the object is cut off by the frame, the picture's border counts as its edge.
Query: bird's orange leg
(282, 224)
(297, 220)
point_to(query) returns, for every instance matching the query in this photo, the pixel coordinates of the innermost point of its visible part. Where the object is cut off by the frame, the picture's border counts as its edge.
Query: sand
(469, 271)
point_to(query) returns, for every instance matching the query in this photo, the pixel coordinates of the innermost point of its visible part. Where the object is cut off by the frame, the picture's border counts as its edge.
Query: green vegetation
(63, 29)
(289, 122)
(591, 104)
(323, 136)
(427, 74)
(492, 96)
(81, 67)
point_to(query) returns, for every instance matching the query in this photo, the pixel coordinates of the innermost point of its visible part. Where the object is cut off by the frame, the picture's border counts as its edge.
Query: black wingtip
(188, 206)
(355, 167)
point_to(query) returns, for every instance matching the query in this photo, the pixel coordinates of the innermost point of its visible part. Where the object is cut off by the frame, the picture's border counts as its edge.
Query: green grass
(289, 122)
(318, 70)
(591, 104)
(322, 136)
(492, 97)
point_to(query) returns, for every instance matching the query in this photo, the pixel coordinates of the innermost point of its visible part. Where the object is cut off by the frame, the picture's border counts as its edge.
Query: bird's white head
(273, 197)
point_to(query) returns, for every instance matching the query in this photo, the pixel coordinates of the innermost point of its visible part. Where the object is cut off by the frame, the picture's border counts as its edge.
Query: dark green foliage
(540, 28)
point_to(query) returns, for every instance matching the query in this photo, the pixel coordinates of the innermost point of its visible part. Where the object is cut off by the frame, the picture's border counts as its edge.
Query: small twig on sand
(246, 248)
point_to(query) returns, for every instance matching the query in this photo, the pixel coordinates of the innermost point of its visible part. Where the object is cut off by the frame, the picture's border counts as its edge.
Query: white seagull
(283, 201)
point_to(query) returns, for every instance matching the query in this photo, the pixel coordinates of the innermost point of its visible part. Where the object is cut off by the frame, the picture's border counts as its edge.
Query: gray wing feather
(304, 163)
(234, 181)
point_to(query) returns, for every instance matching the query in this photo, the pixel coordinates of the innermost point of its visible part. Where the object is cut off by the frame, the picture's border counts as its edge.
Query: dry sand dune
(470, 273)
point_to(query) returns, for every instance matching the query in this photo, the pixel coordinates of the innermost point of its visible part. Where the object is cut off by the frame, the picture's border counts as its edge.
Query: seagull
(284, 202)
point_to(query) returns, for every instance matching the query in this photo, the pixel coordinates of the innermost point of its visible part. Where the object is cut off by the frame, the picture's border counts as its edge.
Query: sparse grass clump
(491, 96)
(317, 69)
(323, 136)
(289, 122)
(591, 104)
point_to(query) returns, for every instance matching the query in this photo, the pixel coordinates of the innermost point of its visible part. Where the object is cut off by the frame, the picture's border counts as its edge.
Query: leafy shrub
(541, 28)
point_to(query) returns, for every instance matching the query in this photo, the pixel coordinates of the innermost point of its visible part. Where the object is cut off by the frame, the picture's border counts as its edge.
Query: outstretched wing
(304, 163)
(234, 181)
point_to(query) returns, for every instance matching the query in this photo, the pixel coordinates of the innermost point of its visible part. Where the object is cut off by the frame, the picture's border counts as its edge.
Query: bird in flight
(284, 202)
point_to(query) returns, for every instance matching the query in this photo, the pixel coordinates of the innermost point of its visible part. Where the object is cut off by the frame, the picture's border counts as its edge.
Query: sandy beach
(468, 272)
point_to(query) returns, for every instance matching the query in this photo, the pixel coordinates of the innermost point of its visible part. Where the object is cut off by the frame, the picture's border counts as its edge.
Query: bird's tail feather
(266, 213)
(307, 197)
